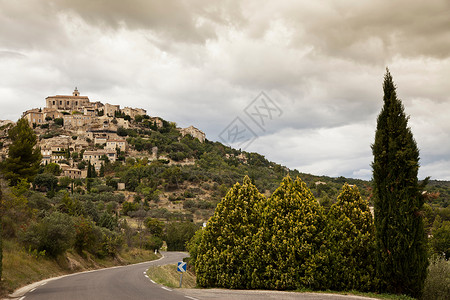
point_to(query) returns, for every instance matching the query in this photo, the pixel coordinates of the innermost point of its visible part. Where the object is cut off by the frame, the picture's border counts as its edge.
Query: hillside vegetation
(165, 200)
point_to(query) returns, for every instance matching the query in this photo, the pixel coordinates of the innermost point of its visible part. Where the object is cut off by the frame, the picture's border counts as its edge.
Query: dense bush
(437, 283)
(45, 182)
(111, 243)
(226, 253)
(178, 234)
(129, 207)
(440, 240)
(153, 243)
(87, 235)
(350, 243)
(54, 234)
(286, 242)
(289, 239)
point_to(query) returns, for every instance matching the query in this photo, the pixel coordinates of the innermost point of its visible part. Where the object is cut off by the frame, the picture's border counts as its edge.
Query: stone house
(77, 120)
(110, 110)
(34, 116)
(133, 112)
(75, 173)
(194, 132)
(46, 152)
(96, 157)
(100, 140)
(52, 113)
(112, 144)
(89, 111)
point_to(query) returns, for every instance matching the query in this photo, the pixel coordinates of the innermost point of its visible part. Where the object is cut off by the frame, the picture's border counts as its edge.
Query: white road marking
(167, 289)
(32, 290)
(22, 298)
(44, 283)
(191, 298)
(146, 275)
(152, 281)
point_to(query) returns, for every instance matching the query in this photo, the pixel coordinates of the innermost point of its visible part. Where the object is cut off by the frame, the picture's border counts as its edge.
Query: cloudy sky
(319, 64)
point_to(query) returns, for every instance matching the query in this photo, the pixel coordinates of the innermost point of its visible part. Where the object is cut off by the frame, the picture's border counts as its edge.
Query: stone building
(46, 152)
(157, 121)
(89, 111)
(53, 153)
(110, 110)
(100, 140)
(77, 120)
(133, 112)
(34, 116)
(96, 157)
(73, 173)
(52, 113)
(112, 144)
(69, 103)
(194, 132)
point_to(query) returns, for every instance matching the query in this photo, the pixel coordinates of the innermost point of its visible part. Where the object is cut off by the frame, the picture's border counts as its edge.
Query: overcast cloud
(202, 62)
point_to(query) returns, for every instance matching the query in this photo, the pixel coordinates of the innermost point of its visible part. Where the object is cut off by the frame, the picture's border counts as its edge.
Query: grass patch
(357, 293)
(379, 296)
(167, 275)
(21, 267)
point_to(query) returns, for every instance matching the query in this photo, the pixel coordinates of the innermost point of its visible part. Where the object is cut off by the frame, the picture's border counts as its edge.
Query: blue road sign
(181, 266)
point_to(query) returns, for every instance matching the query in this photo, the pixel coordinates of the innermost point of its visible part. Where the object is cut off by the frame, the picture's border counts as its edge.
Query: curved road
(131, 282)
(118, 283)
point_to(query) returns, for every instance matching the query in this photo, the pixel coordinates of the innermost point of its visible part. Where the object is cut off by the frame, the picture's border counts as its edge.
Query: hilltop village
(89, 129)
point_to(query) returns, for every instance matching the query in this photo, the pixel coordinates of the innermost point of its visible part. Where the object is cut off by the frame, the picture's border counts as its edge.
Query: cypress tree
(224, 257)
(1, 232)
(102, 171)
(89, 170)
(351, 243)
(23, 157)
(401, 241)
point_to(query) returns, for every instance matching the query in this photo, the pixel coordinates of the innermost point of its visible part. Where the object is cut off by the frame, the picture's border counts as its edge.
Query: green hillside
(165, 199)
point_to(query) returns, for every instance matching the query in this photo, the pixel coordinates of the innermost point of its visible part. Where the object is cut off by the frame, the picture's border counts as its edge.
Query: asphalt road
(119, 283)
(131, 282)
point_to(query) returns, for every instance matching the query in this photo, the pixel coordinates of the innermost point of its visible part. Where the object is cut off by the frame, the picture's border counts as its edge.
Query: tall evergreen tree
(224, 257)
(1, 232)
(400, 237)
(23, 157)
(89, 170)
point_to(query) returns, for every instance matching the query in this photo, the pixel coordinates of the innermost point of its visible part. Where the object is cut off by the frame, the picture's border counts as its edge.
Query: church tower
(76, 93)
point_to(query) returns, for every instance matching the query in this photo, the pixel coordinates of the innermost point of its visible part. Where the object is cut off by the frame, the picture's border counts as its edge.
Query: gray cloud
(181, 21)
(202, 63)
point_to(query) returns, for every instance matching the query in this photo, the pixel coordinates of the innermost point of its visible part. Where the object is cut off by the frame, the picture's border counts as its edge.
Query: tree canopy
(23, 157)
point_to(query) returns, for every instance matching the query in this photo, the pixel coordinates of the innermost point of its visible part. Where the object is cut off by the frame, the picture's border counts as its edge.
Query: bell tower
(76, 93)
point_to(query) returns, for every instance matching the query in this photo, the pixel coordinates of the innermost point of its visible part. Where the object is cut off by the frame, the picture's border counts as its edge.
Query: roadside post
(181, 268)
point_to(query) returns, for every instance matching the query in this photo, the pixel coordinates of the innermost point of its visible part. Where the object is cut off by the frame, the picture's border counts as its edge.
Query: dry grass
(20, 268)
(167, 275)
